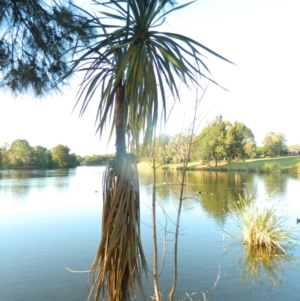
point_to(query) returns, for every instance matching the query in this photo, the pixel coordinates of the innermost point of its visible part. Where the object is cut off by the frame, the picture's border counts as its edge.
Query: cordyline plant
(129, 66)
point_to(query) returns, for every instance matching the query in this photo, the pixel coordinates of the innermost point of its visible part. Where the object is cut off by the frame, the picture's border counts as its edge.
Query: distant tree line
(95, 160)
(21, 155)
(218, 140)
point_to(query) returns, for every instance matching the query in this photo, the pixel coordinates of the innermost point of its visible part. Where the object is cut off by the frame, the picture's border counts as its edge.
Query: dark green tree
(50, 159)
(40, 158)
(210, 144)
(62, 158)
(275, 143)
(72, 161)
(5, 164)
(262, 151)
(177, 148)
(20, 154)
(239, 142)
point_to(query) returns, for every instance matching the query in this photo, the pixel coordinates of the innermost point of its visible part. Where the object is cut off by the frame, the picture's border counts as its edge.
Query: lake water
(50, 220)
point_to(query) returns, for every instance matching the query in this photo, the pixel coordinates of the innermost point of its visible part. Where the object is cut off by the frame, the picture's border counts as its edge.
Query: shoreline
(287, 165)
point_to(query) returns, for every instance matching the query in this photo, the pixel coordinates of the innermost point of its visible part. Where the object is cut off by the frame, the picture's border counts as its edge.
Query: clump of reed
(263, 230)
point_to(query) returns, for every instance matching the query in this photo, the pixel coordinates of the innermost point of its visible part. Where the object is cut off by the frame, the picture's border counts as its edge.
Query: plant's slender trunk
(120, 259)
(120, 125)
(120, 155)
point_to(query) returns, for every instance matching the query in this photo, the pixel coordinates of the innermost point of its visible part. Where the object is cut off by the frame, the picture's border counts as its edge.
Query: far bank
(287, 164)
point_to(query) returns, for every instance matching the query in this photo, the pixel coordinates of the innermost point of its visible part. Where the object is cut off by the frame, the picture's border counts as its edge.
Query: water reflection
(19, 183)
(264, 271)
(31, 174)
(59, 219)
(27, 192)
(217, 191)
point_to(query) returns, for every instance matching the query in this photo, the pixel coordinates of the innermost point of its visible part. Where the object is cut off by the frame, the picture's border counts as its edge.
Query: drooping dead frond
(120, 259)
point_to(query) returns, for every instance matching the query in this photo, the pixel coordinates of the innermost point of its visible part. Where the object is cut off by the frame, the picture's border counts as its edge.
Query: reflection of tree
(215, 187)
(61, 172)
(30, 174)
(275, 183)
(258, 267)
(218, 190)
(15, 174)
(20, 183)
(166, 182)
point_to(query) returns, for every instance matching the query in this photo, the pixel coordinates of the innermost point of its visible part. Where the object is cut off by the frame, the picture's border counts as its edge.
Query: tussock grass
(263, 231)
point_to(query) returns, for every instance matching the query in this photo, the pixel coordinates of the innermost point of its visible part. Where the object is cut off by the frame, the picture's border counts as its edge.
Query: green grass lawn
(267, 164)
(278, 164)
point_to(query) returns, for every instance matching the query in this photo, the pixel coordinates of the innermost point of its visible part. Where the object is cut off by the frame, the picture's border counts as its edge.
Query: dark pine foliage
(37, 38)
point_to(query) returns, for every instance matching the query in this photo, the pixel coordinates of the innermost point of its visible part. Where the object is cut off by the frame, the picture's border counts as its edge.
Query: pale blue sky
(260, 37)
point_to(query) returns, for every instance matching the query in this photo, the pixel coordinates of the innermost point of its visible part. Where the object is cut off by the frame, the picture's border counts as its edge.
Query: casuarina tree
(36, 37)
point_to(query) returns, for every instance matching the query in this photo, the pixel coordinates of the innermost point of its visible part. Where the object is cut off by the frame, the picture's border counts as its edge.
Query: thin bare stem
(154, 233)
(181, 197)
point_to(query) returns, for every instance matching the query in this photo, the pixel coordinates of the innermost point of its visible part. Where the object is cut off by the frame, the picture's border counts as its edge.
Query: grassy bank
(289, 164)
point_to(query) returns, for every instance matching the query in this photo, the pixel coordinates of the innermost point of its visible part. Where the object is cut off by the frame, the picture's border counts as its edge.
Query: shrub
(271, 167)
(296, 169)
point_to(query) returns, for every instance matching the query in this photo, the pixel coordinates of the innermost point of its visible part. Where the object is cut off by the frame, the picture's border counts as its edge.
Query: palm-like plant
(130, 65)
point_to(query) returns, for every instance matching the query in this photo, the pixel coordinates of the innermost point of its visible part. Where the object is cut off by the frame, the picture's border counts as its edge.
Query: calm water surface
(50, 220)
